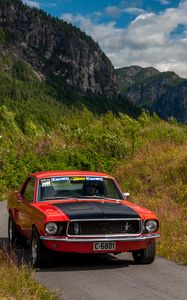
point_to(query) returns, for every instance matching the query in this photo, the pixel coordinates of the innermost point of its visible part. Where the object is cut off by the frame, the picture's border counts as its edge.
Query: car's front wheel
(15, 238)
(41, 257)
(145, 256)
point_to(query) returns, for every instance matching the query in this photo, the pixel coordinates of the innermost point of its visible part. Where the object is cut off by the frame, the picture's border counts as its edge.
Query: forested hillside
(164, 93)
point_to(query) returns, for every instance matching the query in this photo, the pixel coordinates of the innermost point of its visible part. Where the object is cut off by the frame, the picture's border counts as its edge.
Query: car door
(25, 206)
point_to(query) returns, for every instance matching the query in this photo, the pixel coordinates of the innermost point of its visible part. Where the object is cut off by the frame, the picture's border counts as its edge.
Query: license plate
(104, 246)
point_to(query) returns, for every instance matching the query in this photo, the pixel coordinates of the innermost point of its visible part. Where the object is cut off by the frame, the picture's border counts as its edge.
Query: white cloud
(133, 10)
(115, 11)
(32, 3)
(164, 2)
(147, 41)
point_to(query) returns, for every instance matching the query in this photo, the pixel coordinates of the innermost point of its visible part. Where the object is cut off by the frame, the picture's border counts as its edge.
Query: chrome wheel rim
(34, 247)
(10, 231)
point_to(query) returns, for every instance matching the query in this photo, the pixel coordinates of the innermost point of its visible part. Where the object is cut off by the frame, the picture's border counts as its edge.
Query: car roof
(52, 173)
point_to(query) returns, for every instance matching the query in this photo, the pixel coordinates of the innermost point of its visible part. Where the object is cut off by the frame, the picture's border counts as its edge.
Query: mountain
(42, 58)
(162, 92)
(130, 75)
(53, 47)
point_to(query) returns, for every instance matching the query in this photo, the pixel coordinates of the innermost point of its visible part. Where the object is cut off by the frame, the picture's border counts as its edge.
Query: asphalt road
(84, 277)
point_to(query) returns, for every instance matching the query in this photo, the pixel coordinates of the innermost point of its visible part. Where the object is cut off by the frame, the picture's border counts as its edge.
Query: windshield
(77, 187)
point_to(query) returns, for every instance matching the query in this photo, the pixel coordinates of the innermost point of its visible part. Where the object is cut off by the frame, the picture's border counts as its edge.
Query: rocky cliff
(164, 93)
(62, 56)
(53, 47)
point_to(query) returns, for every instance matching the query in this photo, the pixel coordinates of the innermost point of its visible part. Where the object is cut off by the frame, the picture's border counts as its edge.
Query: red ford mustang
(82, 212)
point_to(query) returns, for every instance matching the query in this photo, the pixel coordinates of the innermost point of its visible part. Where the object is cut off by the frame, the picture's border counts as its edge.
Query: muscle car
(80, 212)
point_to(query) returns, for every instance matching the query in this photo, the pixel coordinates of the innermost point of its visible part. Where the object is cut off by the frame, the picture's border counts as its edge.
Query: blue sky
(120, 11)
(136, 32)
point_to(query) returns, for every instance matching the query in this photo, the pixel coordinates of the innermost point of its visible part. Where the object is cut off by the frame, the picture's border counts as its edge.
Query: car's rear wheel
(145, 256)
(15, 238)
(41, 257)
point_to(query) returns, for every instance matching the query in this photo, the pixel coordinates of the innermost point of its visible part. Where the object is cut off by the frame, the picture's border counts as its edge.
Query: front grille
(104, 227)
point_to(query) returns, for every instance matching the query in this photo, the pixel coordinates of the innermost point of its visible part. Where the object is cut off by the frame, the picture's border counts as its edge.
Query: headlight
(151, 226)
(51, 228)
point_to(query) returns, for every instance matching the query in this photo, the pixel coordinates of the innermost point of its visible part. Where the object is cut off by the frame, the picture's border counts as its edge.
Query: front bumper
(102, 239)
(85, 245)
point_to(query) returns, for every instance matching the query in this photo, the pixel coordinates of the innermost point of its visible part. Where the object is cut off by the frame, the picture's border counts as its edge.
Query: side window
(28, 192)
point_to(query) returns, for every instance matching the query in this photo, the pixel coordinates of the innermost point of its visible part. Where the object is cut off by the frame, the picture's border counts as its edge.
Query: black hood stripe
(96, 210)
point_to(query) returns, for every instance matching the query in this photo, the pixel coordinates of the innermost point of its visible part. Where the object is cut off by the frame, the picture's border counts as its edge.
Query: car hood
(96, 210)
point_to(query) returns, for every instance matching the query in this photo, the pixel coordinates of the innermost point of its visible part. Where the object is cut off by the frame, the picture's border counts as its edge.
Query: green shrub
(2, 36)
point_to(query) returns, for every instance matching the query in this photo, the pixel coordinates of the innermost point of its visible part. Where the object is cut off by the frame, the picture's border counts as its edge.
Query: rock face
(53, 47)
(130, 75)
(164, 93)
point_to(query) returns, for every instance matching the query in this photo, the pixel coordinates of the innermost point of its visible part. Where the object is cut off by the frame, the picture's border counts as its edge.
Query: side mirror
(18, 194)
(126, 195)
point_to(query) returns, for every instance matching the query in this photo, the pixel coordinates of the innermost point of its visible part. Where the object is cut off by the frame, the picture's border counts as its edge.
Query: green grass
(157, 179)
(18, 282)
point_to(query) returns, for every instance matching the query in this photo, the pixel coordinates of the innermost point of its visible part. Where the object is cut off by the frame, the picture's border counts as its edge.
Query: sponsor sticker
(57, 179)
(78, 178)
(94, 178)
(46, 182)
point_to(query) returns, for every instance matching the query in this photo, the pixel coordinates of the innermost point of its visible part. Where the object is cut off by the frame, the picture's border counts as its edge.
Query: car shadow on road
(80, 262)
(68, 261)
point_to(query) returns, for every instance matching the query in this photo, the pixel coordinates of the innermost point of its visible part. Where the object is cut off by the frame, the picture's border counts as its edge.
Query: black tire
(15, 238)
(41, 257)
(145, 256)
